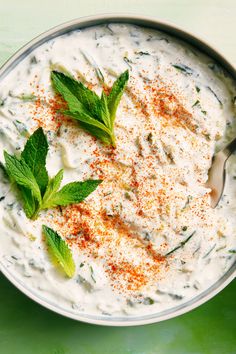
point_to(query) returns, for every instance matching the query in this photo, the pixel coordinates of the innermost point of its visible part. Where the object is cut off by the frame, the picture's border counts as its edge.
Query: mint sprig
(95, 114)
(37, 191)
(59, 251)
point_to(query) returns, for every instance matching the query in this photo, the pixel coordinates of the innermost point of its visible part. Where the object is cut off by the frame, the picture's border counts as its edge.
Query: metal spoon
(216, 175)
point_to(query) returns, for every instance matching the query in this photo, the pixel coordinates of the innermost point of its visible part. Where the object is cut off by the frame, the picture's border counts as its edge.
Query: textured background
(27, 328)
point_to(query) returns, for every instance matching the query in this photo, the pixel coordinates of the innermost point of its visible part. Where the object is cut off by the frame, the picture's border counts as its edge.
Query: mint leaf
(59, 251)
(20, 172)
(53, 186)
(74, 192)
(30, 205)
(34, 154)
(82, 116)
(98, 133)
(105, 114)
(116, 94)
(96, 115)
(68, 87)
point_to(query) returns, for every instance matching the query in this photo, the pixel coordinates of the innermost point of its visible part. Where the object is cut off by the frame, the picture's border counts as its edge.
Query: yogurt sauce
(147, 239)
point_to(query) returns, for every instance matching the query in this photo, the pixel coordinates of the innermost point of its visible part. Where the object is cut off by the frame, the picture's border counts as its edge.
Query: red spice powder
(92, 231)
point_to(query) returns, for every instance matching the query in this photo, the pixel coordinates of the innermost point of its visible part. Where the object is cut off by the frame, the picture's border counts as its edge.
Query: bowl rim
(186, 36)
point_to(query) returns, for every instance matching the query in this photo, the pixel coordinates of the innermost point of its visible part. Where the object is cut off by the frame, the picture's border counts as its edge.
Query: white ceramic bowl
(202, 46)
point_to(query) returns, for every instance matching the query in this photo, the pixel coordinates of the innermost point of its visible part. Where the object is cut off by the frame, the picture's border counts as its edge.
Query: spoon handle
(229, 149)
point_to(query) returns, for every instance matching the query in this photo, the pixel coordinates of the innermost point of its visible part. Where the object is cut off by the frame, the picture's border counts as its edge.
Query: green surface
(27, 328)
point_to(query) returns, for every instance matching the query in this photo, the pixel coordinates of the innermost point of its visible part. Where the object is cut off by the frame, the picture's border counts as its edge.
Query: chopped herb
(21, 127)
(183, 68)
(197, 89)
(175, 296)
(92, 274)
(142, 53)
(150, 138)
(197, 249)
(11, 112)
(2, 198)
(109, 29)
(164, 39)
(220, 248)
(2, 102)
(207, 136)
(232, 251)
(127, 196)
(130, 303)
(147, 236)
(210, 250)
(181, 244)
(213, 92)
(92, 62)
(24, 97)
(189, 198)
(196, 103)
(33, 60)
(184, 228)
(99, 75)
(148, 301)
(15, 258)
(106, 194)
(128, 61)
(81, 265)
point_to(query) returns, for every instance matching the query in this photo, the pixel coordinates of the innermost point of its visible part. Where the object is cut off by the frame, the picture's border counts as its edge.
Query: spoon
(216, 174)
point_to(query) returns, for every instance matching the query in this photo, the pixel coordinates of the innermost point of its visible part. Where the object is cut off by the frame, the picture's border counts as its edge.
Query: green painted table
(27, 328)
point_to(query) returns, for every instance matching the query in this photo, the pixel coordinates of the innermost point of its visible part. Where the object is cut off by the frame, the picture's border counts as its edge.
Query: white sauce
(153, 186)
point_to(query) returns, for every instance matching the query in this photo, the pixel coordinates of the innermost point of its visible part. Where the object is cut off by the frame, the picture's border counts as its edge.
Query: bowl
(203, 47)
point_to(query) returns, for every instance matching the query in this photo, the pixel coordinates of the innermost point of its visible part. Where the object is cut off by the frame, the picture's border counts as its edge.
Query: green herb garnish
(59, 251)
(35, 188)
(142, 53)
(183, 68)
(196, 103)
(181, 244)
(148, 301)
(21, 127)
(95, 114)
(29, 97)
(92, 274)
(210, 250)
(217, 98)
